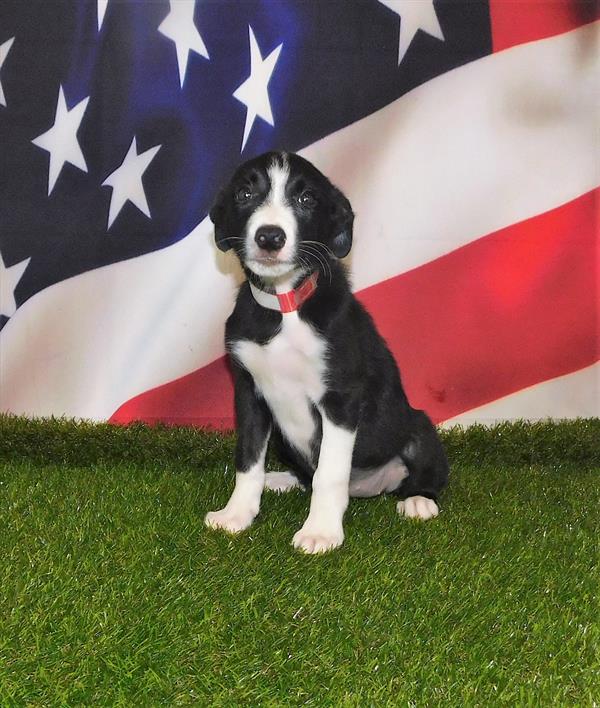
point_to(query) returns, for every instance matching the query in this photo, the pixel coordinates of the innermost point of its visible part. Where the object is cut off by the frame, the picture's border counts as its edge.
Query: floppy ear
(217, 216)
(342, 219)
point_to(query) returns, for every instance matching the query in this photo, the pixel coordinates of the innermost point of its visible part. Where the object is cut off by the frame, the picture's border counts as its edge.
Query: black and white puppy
(311, 372)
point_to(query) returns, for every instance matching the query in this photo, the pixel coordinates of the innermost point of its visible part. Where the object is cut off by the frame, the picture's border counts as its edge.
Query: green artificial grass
(114, 593)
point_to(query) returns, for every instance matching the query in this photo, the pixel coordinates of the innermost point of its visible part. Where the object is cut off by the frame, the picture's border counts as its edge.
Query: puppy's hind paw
(282, 482)
(418, 507)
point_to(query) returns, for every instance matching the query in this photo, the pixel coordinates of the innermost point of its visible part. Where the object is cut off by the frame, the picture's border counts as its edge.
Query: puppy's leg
(427, 466)
(323, 529)
(254, 428)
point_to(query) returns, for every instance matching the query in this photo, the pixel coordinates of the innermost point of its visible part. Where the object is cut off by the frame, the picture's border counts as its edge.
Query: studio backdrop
(465, 134)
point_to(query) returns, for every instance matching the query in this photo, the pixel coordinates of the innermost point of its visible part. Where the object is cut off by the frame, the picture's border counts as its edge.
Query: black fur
(363, 385)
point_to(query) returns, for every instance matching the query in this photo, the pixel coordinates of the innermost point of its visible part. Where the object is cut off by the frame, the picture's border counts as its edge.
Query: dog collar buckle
(289, 301)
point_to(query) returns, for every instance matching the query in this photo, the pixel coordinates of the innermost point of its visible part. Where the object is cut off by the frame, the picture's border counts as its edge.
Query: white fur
(282, 482)
(244, 503)
(381, 480)
(418, 507)
(275, 211)
(323, 529)
(288, 373)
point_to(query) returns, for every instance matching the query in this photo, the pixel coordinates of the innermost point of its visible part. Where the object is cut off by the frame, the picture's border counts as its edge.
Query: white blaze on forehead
(275, 211)
(279, 173)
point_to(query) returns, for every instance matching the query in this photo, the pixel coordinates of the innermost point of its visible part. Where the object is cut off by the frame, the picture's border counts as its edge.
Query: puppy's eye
(307, 199)
(243, 195)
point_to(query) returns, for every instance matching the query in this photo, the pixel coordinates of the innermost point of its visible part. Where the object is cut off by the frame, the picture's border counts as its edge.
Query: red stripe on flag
(502, 313)
(203, 398)
(519, 21)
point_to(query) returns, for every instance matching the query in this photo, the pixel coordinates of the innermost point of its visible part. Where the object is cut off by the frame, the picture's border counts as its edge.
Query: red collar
(289, 301)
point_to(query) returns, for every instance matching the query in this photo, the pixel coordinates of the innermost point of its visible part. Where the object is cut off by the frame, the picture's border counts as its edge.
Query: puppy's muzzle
(270, 238)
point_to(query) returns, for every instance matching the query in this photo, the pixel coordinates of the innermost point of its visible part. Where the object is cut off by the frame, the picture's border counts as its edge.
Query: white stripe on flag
(494, 142)
(83, 346)
(482, 147)
(575, 395)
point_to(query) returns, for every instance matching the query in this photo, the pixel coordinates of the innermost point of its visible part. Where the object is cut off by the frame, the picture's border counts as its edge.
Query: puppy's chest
(289, 373)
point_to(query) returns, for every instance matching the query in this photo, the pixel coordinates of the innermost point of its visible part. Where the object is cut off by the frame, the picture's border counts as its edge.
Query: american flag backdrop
(464, 132)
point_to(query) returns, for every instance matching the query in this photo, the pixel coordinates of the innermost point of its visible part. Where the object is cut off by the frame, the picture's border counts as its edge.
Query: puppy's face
(279, 214)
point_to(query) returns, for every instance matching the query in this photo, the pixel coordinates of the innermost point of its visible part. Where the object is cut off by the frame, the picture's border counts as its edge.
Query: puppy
(312, 375)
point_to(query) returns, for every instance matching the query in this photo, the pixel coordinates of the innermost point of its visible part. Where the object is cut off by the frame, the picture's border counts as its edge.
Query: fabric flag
(465, 134)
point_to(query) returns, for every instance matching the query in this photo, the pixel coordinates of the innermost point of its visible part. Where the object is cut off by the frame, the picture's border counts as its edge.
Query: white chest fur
(288, 373)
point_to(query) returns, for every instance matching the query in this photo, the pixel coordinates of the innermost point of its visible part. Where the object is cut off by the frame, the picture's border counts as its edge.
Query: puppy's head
(279, 214)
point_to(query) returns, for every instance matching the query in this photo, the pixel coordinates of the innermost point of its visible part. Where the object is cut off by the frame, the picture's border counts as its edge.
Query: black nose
(271, 238)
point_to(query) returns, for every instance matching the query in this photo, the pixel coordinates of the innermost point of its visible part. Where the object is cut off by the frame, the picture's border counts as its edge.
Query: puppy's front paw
(230, 520)
(315, 539)
(418, 507)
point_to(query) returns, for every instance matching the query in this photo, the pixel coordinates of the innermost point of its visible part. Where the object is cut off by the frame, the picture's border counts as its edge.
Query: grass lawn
(113, 592)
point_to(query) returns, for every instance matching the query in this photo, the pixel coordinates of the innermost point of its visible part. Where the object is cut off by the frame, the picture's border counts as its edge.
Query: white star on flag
(253, 92)
(9, 279)
(126, 181)
(179, 27)
(101, 9)
(414, 15)
(4, 49)
(61, 139)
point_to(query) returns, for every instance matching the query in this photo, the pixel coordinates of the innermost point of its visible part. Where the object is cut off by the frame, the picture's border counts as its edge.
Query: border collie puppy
(312, 374)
